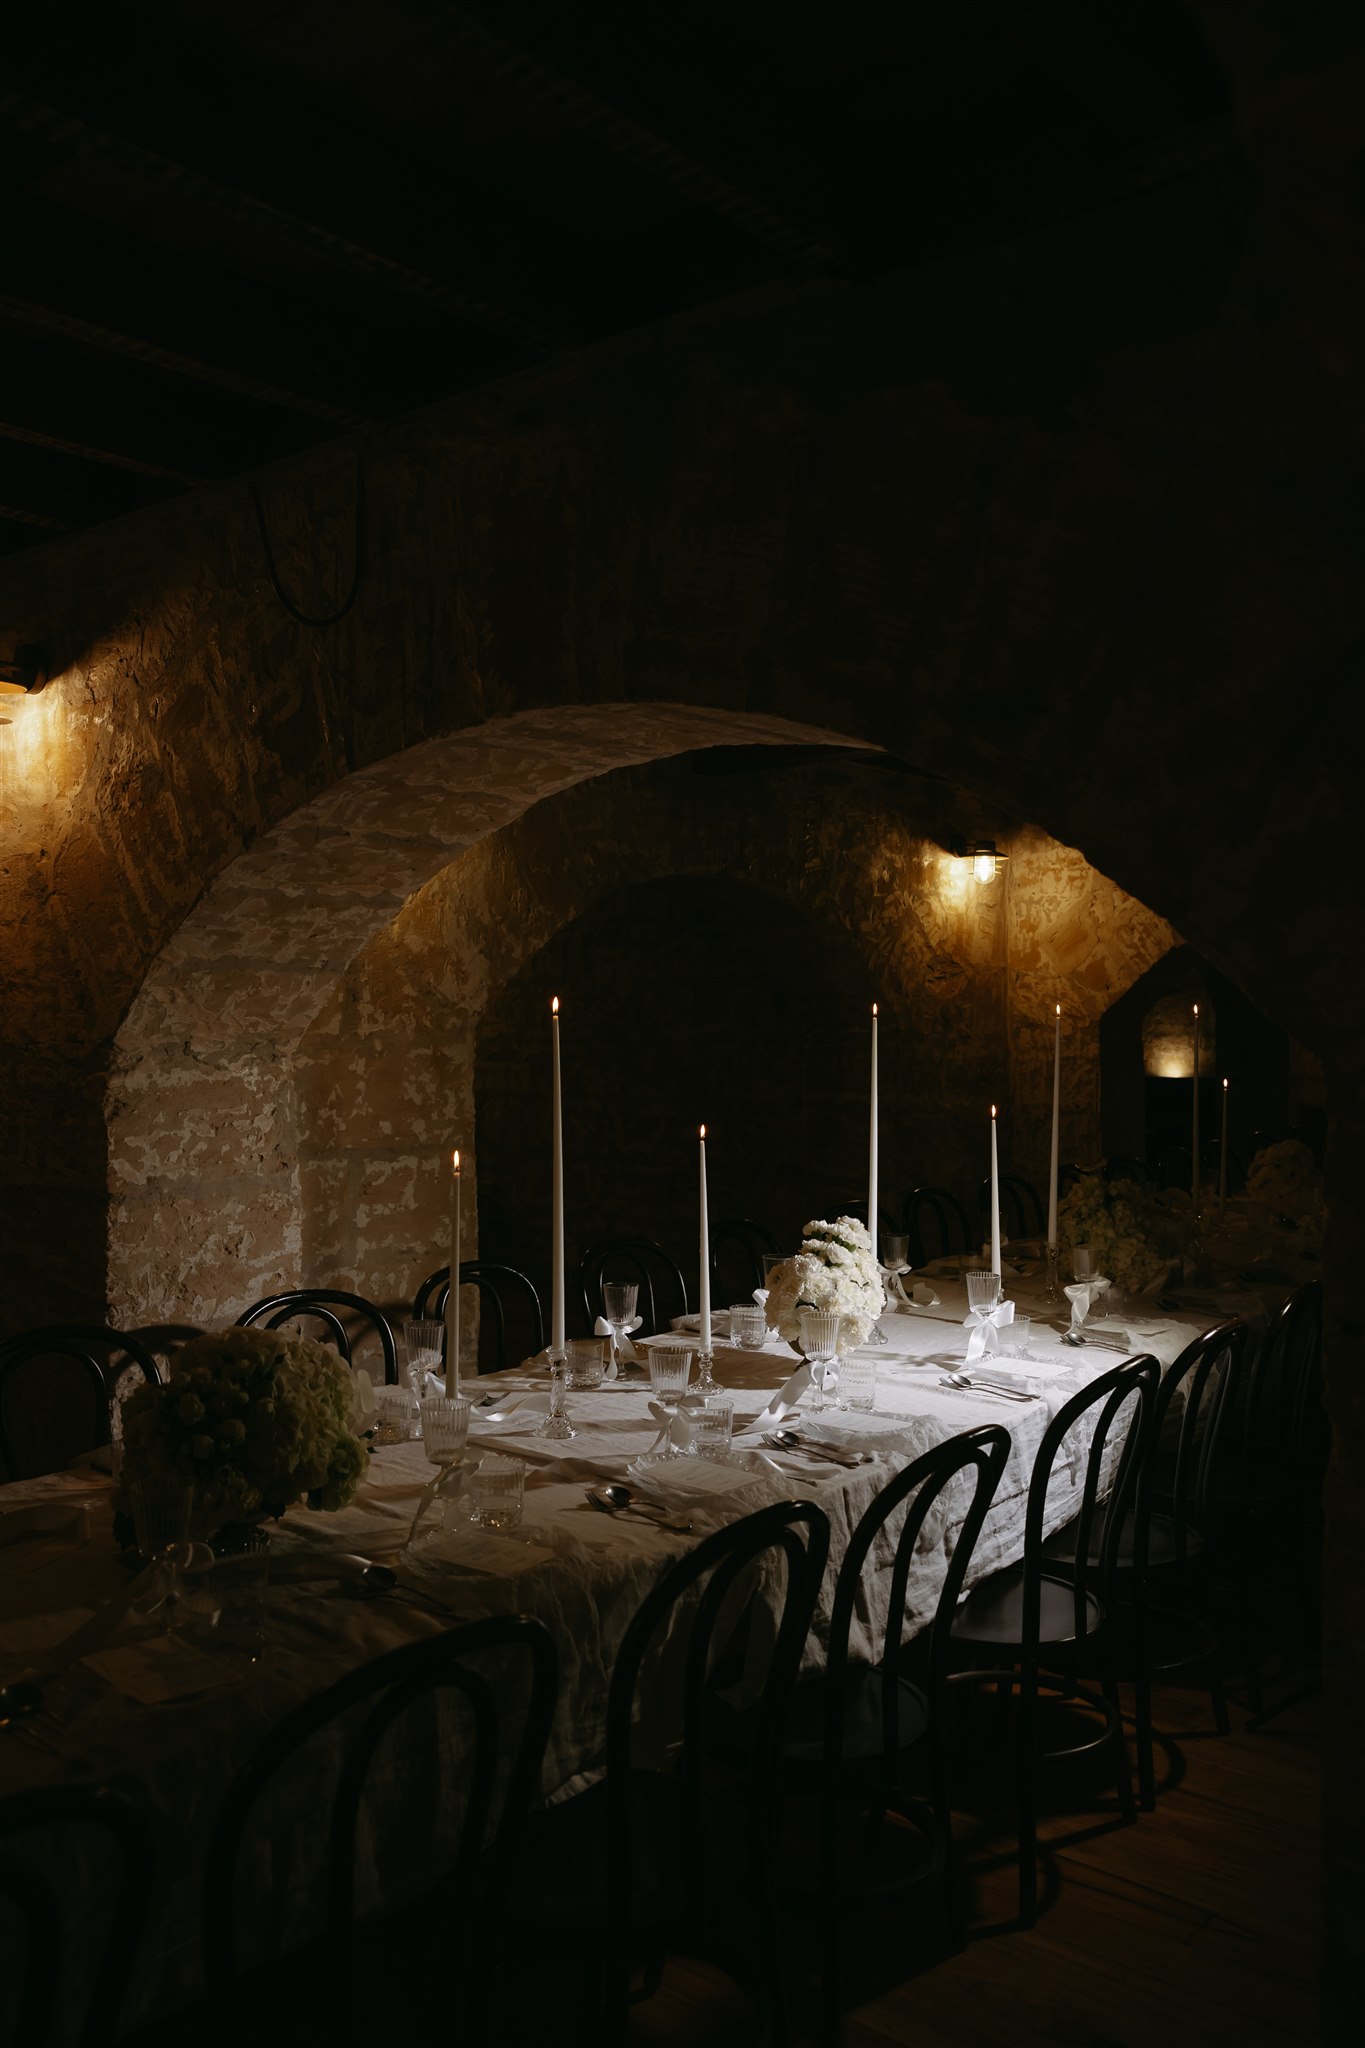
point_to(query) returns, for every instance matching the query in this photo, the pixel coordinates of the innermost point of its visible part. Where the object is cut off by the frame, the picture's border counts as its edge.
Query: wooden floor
(1199, 1924)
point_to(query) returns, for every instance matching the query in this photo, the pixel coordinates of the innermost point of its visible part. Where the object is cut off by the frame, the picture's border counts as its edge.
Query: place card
(474, 1550)
(161, 1669)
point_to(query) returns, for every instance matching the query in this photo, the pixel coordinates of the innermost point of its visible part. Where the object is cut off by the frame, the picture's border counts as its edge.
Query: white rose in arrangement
(833, 1270)
(1113, 1219)
(1284, 1189)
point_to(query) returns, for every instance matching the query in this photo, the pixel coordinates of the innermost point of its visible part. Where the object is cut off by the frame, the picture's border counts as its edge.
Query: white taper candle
(1223, 1150)
(995, 1198)
(704, 1282)
(1194, 1137)
(872, 1145)
(557, 1199)
(1056, 1129)
(453, 1292)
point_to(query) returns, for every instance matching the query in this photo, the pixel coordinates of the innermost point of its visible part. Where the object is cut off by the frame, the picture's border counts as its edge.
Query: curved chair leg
(1123, 1780)
(1028, 1795)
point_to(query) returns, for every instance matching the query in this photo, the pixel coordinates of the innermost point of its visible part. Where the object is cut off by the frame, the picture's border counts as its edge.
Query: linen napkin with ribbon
(1083, 1294)
(622, 1353)
(985, 1325)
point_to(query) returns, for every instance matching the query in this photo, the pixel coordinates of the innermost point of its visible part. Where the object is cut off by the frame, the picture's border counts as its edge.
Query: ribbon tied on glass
(675, 1426)
(985, 1325)
(1083, 1295)
(623, 1352)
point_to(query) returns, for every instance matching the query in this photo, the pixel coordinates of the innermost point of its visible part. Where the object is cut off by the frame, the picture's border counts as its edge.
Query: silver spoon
(963, 1385)
(618, 1500)
(789, 1440)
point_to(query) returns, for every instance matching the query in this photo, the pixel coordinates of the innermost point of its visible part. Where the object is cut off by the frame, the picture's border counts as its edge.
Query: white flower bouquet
(255, 1419)
(1113, 1218)
(834, 1270)
(1284, 1190)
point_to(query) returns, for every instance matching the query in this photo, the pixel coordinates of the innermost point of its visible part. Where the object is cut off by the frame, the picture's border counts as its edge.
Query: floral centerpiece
(834, 1270)
(1132, 1245)
(255, 1419)
(1284, 1191)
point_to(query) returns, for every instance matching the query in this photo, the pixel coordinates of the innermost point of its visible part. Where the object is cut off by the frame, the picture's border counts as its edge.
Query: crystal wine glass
(618, 1308)
(670, 1366)
(820, 1342)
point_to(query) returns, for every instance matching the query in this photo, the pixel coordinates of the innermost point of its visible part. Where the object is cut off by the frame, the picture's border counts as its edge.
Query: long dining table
(171, 1717)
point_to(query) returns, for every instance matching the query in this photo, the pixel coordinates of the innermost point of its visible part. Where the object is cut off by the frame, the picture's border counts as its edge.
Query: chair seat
(1161, 1544)
(993, 1613)
(565, 1856)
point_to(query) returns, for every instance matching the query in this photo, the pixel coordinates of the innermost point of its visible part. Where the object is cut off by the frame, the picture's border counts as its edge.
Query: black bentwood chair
(325, 1305)
(1042, 1620)
(1160, 1565)
(663, 1290)
(63, 1982)
(40, 1372)
(852, 1726)
(503, 1290)
(1021, 1206)
(648, 1858)
(947, 1231)
(737, 1248)
(441, 1742)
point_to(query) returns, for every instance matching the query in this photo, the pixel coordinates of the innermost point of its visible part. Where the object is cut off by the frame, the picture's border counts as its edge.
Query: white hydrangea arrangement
(1284, 1189)
(256, 1419)
(1112, 1218)
(834, 1270)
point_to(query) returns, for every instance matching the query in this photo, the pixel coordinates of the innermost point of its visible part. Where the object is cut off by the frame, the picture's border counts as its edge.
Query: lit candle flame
(1059, 1009)
(992, 1112)
(703, 1130)
(455, 1160)
(1225, 1081)
(554, 1006)
(874, 1009)
(1196, 1009)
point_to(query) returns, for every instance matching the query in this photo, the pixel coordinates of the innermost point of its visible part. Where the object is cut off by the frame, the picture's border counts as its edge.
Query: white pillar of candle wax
(1194, 1139)
(1056, 1128)
(995, 1198)
(453, 1292)
(705, 1277)
(557, 1198)
(872, 1175)
(1223, 1151)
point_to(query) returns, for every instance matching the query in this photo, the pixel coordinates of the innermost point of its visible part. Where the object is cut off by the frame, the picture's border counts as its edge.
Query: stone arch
(201, 1104)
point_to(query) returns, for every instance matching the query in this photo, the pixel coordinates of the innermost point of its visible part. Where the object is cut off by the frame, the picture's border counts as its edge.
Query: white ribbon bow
(1083, 1296)
(625, 1349)
(985, 1325)
(678, 1427)
(895, 1289)
(363, 1403)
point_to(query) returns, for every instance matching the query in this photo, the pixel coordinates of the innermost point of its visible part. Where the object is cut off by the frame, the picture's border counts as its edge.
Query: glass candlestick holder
(1053, 1290)
(707, 1382)
(557, 1424)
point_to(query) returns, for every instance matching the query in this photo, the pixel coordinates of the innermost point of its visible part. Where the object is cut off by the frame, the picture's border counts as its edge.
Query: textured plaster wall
(830, 887)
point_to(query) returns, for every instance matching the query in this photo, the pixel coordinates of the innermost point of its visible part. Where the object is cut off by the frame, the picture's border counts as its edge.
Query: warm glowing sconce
(984, 856)
(22, 673)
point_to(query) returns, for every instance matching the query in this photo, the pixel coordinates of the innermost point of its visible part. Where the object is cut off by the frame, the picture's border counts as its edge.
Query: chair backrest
(96, 1358)
(46, 1996)
(1207, 1381)
(936, 1224)
(1284, 1403)
(663, 1290)
(1110, 1476)
(724, 1572)
(501, 1289)
(737, 1248)
(1021, 1205)
(979, 1455)
(503, 1671)
(324, 1305)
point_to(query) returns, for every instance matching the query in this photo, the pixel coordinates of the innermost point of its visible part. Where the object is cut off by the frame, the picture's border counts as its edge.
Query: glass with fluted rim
(495, 1492)
(983, 1289)
(670, 1367)
(585, 1362)
(422, 1341)
(445, 1426)
(619, 1300)
(858, 1381)
(820, 1343)
(748, 1325)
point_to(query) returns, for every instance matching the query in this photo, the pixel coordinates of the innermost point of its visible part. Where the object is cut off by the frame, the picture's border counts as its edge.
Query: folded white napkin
(1083, 1295)
(785, 1399)
(985, 1325)
(67, 1521)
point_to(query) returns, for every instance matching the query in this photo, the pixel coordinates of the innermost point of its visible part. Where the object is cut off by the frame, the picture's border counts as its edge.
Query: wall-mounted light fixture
(22, 673)
(984, 855)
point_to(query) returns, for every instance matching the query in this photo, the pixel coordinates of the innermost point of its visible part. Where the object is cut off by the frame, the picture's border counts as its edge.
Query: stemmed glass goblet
(618, 1309)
